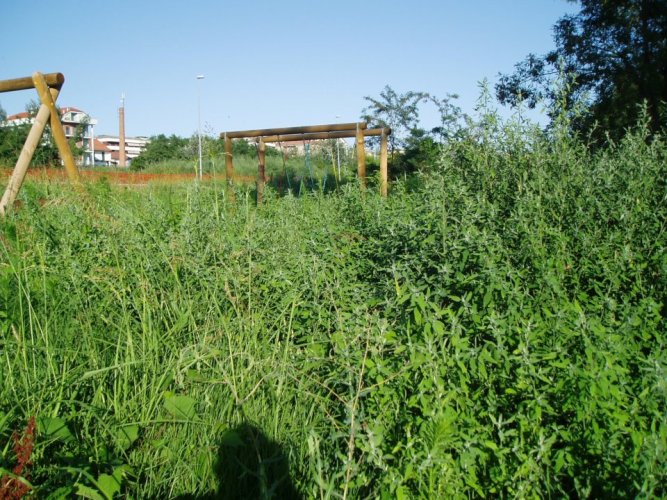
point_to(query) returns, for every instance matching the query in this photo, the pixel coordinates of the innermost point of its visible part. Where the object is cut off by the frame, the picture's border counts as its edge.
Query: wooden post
(229, 169)
(384, 170)
(229, 161)
(56, 126)
(261, 174)
(361, 157)
(18, 174)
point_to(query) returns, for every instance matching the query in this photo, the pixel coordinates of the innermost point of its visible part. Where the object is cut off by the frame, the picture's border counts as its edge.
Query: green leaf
(3, 420)
(418, 317)
(61, 493)
(419, 300)
(488, 297)
(560, 461)
(181, 407)
(400, 493)
(231, 439)
(54, 428)
(338, 340)
(108, 485)
(125, 436)
(491, 445)
(120, 472)
(390, 337)
(195, 376)
(87, 492)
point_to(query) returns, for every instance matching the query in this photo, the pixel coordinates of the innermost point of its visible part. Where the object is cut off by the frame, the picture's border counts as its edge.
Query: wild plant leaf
(54, 428)
(121, 471)
(61, 493)
(125, 436)
(87, 492)
(179, 406)
(108, 485)
(195, 376)
(231, 439)
(3, 421)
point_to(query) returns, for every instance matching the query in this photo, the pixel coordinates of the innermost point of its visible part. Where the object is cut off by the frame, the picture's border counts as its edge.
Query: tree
(611, 58)
(413, 147)
(400, 112)
(162, 148)
(13, 137)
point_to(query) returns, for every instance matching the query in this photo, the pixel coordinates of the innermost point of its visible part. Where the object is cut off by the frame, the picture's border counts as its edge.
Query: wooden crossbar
(324, 135)
(53, 80)
(246, 134)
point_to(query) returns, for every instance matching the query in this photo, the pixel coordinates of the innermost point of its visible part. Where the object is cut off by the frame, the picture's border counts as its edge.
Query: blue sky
(266, 63)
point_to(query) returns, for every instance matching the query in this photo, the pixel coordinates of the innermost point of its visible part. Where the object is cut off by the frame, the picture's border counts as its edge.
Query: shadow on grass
(249, 465)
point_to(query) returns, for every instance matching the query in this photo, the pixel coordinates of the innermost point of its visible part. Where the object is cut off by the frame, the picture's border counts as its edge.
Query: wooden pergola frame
(308, 133)
(48, 87)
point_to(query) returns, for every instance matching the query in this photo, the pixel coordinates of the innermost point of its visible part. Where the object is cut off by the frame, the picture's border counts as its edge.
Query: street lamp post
(201, 171)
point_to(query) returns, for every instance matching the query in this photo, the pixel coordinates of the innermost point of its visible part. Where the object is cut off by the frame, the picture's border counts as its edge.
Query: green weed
(495, 329)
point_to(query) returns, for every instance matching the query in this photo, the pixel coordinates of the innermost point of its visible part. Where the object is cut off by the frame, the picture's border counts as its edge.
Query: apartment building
(111, 154)
(102, 150)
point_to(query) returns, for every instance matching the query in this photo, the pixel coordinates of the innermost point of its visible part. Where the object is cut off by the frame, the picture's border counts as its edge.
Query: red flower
(10, 488)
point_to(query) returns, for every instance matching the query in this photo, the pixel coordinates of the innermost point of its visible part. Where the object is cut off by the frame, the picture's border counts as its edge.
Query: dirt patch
(121, 178)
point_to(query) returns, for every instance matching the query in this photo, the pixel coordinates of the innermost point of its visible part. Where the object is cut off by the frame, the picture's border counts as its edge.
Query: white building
(95, 150)
(134, 146)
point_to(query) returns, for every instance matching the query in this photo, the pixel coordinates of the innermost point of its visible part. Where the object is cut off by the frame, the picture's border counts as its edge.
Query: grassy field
(496, 328)
(320, 165)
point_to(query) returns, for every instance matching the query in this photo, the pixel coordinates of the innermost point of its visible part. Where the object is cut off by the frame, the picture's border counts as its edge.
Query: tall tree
(400, 112)
(612, 56)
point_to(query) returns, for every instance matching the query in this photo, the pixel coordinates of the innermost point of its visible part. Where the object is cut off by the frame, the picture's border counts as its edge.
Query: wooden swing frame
(308, 133)
(48, 87)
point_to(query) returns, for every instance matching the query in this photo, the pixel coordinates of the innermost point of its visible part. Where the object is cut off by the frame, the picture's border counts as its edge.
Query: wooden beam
(261, 171)
(384, 170)
(241, 134)
(57, 130)
(229, 160)
(361, 157)
(324, 135)
(229, 169)
(54, 80)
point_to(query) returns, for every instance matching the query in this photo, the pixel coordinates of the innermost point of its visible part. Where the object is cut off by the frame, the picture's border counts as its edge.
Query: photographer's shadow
(249, 465)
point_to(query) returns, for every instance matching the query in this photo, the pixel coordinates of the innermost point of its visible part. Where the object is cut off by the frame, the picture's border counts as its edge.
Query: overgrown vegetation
(495, 329)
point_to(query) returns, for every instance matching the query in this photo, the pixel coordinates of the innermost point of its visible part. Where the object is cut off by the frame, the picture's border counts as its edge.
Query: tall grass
(318, 166)
(497, 331)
